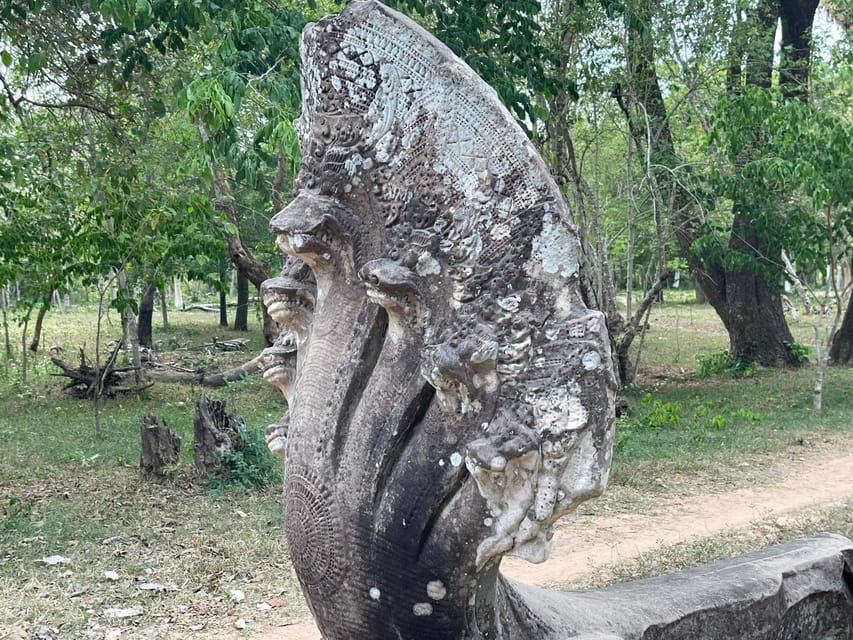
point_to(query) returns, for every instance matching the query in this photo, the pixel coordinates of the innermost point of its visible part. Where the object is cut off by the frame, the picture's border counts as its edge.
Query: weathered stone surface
(451, 396)
(802, 589)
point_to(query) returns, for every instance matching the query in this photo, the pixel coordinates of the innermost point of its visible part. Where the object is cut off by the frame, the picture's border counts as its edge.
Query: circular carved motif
(313, 533)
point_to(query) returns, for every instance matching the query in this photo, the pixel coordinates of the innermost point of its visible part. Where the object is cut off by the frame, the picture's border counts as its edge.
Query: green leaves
(787, 164)
(208, 101)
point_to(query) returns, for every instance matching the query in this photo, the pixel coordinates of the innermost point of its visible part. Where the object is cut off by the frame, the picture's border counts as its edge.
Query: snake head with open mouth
(316, 229)
(290, 302)
(397, 289)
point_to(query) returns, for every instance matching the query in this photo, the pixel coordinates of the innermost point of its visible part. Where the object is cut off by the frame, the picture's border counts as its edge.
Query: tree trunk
(129, 325)
(164, 307)
(758, 43)
(754, 318)
(24, 363)
(215, 434)
(241, 314)
(34, 344)
(161, 447)
(749, 307)
(178, 293)
(841, 349)
(797, 20)
(144, 329)
(223, 297)
(4, 302)
(627, 369)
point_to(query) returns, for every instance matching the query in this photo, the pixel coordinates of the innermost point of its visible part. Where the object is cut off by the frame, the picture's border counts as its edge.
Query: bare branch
(71, 104)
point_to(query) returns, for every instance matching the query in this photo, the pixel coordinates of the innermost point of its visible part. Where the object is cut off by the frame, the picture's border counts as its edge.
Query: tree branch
(73, 104)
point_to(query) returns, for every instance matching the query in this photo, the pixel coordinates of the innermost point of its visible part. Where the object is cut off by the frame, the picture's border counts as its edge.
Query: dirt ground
(813, 477)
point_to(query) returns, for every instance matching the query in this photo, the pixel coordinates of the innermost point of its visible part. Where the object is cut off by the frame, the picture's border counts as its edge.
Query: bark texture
(144, 325)
(841, 349)
(223, 293)
(215, 434)
(241, 313)
(797, 17)
(161, 448)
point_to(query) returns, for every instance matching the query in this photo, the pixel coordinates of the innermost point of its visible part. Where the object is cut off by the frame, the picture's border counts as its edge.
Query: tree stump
(215, 434)
(161, 448)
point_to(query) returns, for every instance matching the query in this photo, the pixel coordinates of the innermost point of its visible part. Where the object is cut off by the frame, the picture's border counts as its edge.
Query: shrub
(249, 466)
(660, 414)
(722, 364)
(799, 352)
(666, 423)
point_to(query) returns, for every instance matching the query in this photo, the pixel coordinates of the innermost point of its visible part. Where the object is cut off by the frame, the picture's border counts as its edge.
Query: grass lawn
(176, 560)
(180, 557)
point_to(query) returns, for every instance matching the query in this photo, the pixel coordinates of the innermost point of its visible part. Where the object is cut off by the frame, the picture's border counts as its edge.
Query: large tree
(105, 76)
(738, 270)
(841, 350)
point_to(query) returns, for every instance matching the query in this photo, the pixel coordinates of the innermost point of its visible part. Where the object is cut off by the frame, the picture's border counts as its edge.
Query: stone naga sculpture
(451, 396)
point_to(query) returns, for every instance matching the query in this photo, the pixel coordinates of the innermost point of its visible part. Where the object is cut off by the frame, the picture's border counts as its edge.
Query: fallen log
(211, 308)
(237, 344)
(173, 374)
(85, 381)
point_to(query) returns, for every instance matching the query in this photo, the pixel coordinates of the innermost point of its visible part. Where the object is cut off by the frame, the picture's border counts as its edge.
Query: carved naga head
(453, 395)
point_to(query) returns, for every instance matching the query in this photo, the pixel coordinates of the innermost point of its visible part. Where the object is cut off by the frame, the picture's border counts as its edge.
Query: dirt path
(585, 544)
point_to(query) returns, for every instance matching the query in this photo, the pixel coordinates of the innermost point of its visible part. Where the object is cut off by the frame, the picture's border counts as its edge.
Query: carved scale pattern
(465, 198)
(313, 533)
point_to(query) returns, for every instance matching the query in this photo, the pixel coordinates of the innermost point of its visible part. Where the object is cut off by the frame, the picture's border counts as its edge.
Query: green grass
(680, 423)
(41, 428)
(65, 490)
(680, 330)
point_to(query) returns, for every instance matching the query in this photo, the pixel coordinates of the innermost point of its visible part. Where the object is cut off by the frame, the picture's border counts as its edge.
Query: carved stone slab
(801, 589)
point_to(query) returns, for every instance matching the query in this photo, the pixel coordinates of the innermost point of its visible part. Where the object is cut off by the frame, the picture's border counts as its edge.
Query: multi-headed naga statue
(452, 395)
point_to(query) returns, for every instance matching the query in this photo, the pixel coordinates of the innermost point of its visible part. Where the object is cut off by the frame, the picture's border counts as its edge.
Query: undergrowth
(693, 422)
(720, 363)
(249, 466)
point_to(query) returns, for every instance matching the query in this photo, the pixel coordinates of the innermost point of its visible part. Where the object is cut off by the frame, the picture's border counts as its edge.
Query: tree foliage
(156, 136)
